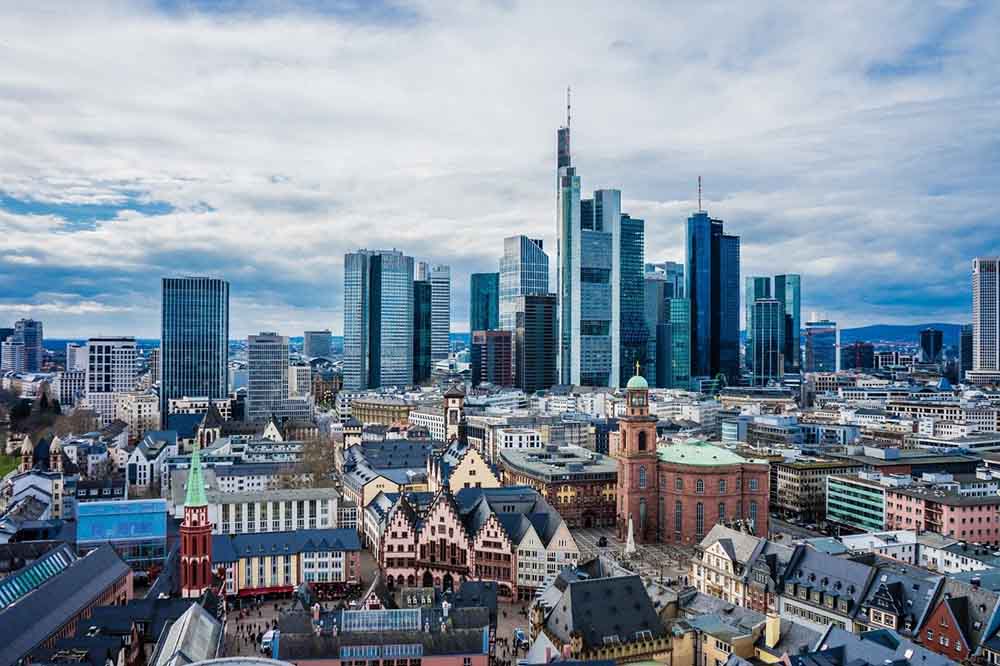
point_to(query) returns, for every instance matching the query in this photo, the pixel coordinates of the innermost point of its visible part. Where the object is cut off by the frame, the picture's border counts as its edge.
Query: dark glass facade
(754, 288)
(484, 302)
(821, 346)
(931, 345)
(421, 331)
(857, 356)
(535, 343)
(491, 360)
(29, 333)
(194, 339)
(964, 351)
(633, 333)
(788, 291)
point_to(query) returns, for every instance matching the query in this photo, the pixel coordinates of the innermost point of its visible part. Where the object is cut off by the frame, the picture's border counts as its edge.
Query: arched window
(642, 477)
(699, 520)
(642, 440)
(699, 486)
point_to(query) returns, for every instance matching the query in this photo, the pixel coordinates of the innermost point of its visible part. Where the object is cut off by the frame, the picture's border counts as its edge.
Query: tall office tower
(110, 370)
(299, 380)
(658, 326)
(29, 333)
(12, 355)
(673, 273)
(421, 331)
(535, 347)
(712, 276)
(931, 345)
(964, 351)
(440, 278)
(633, 334)
(768, 324)
(378, 319)
(754, 288)
(857, 356)
(194, 340)
(491, 360)
(76, 356)
(822, 342)
(788, 290)
(317, 343)
(267, 376)
(680, 343)
(4, 334)
(985, 321)
(524, 270)
(154, 364)
(484, 302)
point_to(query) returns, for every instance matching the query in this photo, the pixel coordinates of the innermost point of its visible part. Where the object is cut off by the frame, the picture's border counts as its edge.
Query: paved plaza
(659, 560)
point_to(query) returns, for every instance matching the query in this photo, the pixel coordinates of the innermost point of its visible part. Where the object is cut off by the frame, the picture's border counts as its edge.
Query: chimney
(772, 630)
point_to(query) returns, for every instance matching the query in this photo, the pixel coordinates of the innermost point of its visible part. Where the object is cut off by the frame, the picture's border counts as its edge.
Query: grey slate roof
(602, 608)
(230, 548)
(875, 648)
(904, 590)
(841, 577)
(195, 636)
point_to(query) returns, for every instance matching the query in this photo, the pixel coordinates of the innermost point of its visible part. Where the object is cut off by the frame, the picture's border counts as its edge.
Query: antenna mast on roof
(699, 194)
(567, 107)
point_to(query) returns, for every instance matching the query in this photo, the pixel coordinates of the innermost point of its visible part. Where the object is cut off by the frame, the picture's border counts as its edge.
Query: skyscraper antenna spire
(567, 107)
(699, 193)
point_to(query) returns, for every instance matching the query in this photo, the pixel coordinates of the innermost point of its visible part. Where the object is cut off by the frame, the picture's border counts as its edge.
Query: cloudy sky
(858, 145)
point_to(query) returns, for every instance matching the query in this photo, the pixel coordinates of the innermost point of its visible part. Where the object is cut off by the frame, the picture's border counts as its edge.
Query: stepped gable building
(676, 493)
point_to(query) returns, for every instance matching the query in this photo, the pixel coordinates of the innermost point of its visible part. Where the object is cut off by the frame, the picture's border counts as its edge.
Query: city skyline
(856, 157)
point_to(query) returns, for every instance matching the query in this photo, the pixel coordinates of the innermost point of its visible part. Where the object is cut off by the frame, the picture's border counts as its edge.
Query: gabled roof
(604, 608)
(739, 546)
(194, 637)
(230, 548)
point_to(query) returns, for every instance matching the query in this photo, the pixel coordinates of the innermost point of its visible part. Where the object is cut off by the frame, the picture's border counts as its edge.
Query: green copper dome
(637, 382)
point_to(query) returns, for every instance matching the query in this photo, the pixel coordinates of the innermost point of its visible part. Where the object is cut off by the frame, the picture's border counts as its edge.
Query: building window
(722, 485)
(642, 440)
(753, 516)
(699, 486)
(753, 484)
(699, 519)
(679, 483)
(678, 517)
(642, 477)
(722, 512)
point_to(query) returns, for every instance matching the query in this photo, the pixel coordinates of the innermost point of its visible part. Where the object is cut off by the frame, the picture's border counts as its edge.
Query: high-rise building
(673, 273)
(378, 319)
(822, 342)
(421, 331)
(588, 234)
(768, 325)
(680, 343)
(491, 360)
(985, 321)
(633, 334)
(317, 343)
(931, 345)
(658, 326)
(524, 270)
(712, 275)
(857, 356)
(535, 345)
(12, 355)
(194, 339)
(788, 291)
(299, 380)
(110, 370)
(440, 278)
(964, 351)
(484, 302)
(76, 356)
(754, 287)
(29, 333)
(4, 334)
(267, 376)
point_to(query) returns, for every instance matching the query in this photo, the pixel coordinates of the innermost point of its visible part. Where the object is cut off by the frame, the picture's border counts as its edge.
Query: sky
(857, 144)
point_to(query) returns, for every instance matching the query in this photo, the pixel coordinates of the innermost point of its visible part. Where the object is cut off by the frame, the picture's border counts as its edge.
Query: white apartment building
(70, 386)
(299, 380)
(139, 411)
(430, 418)
(110, 370)
(274, 511)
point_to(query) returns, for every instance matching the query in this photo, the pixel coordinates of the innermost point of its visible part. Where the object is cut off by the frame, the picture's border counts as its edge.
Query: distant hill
(898, 333)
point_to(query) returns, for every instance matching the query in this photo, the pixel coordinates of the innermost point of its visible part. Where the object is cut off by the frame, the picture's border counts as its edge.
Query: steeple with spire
(196, 533)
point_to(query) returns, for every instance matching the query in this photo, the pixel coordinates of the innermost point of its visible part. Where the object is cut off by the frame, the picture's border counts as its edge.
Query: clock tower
(635, 449)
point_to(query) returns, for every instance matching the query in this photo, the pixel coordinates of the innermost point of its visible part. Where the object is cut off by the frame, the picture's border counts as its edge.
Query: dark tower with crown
(634, 446)
(196, 534)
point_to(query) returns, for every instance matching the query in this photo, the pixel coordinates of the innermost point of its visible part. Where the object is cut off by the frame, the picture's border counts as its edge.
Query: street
(779, 526)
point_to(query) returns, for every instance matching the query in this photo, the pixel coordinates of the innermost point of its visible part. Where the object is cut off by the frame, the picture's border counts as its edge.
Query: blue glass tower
(788, 290)
(194, 339)
(524, 271)
(634, 334)
(484, 302)
(421, 331)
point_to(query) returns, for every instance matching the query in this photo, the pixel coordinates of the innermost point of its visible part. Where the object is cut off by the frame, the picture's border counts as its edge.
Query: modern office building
(754, 288)
(633, 334)
(194, 339)
(985, 321)
(856, 501)
(657, 319)
(524, 270)
(767, 352)
(857, 356)
(317, 343)
(484, 302)
(964, 351)
(491, 358)
(12, 355)
(588, 234)
(76, 356)
(421, 331)
(5, 334)
(29, 333)
(378, 319)
(931, 345)
(680, 343)
(788, 291)
(822, 343)
(440, 278)
(535, 348)
(267, 375)
(673, 273)
(110, 370)
(713, 287)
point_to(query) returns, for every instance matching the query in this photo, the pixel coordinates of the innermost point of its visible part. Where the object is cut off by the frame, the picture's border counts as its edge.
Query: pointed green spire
(195, 481)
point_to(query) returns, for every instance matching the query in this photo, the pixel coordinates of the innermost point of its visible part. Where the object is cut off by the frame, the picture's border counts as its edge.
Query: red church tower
(196, 534)
(635, 448)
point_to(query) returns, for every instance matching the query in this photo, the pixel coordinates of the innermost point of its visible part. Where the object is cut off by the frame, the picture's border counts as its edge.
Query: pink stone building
(971, 518)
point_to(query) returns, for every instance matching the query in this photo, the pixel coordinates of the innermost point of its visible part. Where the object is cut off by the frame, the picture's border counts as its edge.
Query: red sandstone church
(677, 492)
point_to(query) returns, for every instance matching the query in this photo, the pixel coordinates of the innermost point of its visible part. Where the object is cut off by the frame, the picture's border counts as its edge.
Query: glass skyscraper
(964, 351)
(633, 333)
(768, 324)
(658, 326)
(484, 302)
(421, 331)
(822, 342)
(439, 276)
(29, 333)
(680, 343)
(754, 288)
(378, 319)
(788, 290)
(524, 270)
(194, 339)
(712, 285)
(535, 342)
(267, 376)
